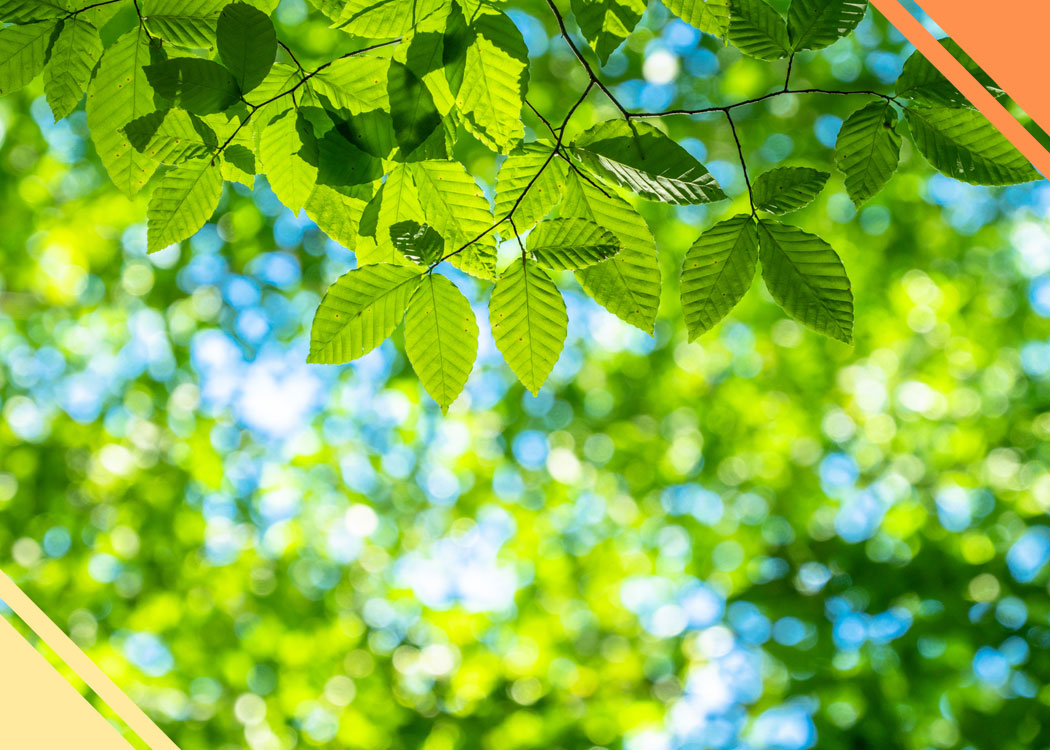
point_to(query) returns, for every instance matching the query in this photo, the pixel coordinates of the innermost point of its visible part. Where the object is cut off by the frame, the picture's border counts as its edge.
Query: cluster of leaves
(364, 144)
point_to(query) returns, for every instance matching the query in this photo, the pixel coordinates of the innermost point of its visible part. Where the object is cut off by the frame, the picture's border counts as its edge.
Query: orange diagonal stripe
(953, 70)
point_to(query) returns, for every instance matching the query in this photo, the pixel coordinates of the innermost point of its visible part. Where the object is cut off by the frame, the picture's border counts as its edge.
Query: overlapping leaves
(195, 93)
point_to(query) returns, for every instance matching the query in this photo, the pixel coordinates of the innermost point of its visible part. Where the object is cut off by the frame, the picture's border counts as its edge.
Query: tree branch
(291, 91)
(535, 177)
(743, 162)
(586, 65)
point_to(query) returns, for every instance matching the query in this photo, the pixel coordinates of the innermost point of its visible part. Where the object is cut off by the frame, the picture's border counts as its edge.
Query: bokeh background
(762, 540)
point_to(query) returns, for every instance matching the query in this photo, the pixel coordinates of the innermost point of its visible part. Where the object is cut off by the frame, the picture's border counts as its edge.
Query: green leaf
(868, 150)
(962, 144)
(641, 158)
(337, 212)
(289, 155)
(570, 244)
(459, 211)
(23, 52)
(758, 30)
(455, 40)
(360, 311)
(493, 89)
(411, 107)
(717, 272)
(628, 284)
(357, 84)
(183, 201)
(786, 189)
(529, 322)
(200, 86)
(25, 11)
(172, 136)
(395, 202)
(515, 174)
(923, 83)
(387, 19)
(247, 44)
(807, 278)
(814, 24)
(710, 16)
(74, 55)
(441, 338)
(418, 242)
(187, 23)
(606, 23)
(118, 94)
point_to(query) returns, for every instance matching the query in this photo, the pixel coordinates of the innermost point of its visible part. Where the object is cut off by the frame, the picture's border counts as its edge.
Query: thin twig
(86, 8)
(583, 174)
(535, 177)
(291, 54)
(291, 91)
(787, 78)
(542, 118)
(744, 103)
(142, 21)
(586, 65)
(743, 163)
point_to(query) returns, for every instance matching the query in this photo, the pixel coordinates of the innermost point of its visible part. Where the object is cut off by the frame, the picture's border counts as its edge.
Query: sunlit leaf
(184, 199)
(628, 284)
(868, 150)
(74, 54)
(529, 321)
(717, 272)
(807, 278)
(961, 143)
(570, 244)
(786, 189)
(360, 311)
(441, 338)
(641, 158)
(247, 44)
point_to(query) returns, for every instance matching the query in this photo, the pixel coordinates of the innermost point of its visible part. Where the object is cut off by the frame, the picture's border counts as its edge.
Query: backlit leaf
(641, 158)
(359, 312)
(868, 150)
(710, 16)
(786, 189)
(606, 23)
(74, 55)
(247, 44)
(758, 30)
(23, 51)
(118, 94)
(184, 199)
(492, 93)
(570, 244)
(962, 144)
(717, 272)
(807, 278)
(441, 338)
(628, 284)
(814, 24)
(529, 322)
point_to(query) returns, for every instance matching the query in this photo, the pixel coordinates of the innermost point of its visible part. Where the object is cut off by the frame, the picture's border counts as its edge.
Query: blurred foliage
(763, 540)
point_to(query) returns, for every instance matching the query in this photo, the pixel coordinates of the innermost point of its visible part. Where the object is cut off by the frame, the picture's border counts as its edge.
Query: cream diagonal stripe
(84, 668)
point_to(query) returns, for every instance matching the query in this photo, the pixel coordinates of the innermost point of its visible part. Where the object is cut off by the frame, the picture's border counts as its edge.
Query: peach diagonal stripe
(953, 70)
(84, 668)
